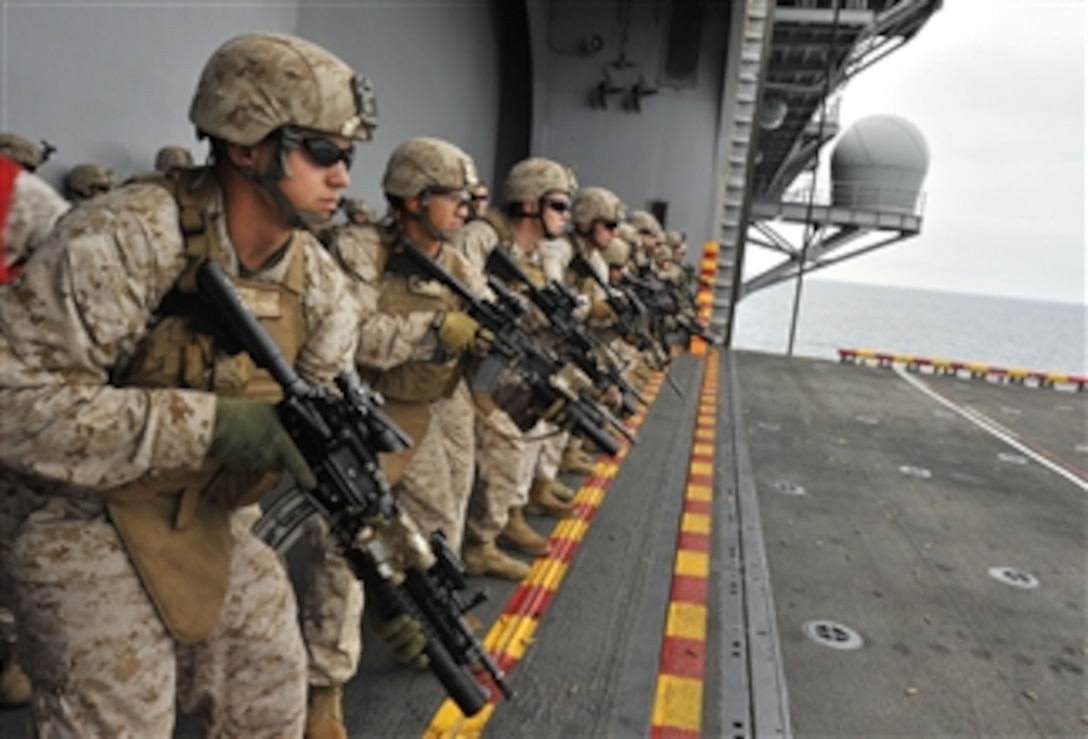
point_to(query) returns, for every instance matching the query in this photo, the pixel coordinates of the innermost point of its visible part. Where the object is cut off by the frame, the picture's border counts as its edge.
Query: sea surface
(1005, 332)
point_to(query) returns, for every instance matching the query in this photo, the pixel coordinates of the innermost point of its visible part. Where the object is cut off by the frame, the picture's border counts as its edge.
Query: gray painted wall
(666, 151)
(434, 66)
(112, 84)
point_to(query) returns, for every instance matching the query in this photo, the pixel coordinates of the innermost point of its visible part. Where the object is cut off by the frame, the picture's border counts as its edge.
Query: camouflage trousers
(13, 508)
(509, 460)
(549, 452)
(501, 461)
(332, 609)
(435, 486)
(102, 662)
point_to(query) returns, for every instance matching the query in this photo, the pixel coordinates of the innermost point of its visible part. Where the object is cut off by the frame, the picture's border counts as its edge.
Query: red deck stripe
(683, 657)
(693, 541)
(702, 507)
(687, 589)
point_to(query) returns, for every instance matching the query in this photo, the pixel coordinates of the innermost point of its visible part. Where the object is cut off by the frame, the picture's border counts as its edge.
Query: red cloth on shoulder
(9, 170)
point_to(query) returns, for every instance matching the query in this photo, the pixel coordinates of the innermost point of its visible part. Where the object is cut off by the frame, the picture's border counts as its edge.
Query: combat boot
(325, 713)
(576, 461)
(14, 685)
(519, 535)
(487, 559)
(542, 502)
(562, 492)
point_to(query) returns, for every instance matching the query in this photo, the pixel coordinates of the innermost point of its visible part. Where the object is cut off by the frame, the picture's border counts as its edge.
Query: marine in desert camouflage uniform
(358, 211)
(171, 161)
(597, 215)
(412, 335)
(535, 208)
(24, 151)
(133, 447)
(28, 210)
(84, 181)
(414, 331)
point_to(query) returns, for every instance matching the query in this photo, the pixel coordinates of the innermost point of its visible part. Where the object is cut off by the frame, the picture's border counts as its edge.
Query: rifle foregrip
(392, 601)
(580, 422)
(469, 695)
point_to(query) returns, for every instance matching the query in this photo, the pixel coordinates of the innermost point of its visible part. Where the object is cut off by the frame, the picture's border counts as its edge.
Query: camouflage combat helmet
(427, 164)
(617, 253)
(173, 157)
(22, 150)
(596, 203)
(86, 180)
(358, 207)
(674, 239)
(627, 232)
(257, 83)
(644, 220)
(531, 179)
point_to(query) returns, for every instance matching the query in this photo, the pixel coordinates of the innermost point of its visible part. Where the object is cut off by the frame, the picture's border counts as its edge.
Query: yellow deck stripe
(699, 493)
(686, 621)
(695, 523)
(679, 703)
(678, 700)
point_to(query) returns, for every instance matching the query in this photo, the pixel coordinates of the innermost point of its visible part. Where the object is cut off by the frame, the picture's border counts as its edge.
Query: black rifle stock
(516, 348)
(340, 435)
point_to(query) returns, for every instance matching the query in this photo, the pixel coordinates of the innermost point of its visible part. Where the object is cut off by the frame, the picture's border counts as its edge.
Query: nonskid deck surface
(885, 510)
(880, 510)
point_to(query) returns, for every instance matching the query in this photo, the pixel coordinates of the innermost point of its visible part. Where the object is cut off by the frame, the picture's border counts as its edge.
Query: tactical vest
(498, 221)
(403, 292)
(582, 284)
(176, 526)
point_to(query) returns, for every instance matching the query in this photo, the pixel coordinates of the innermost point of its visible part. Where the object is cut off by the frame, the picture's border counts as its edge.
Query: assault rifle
(340, 435)
(666, 300)
(691, 326)
(632, 316)
(577, 344)
(551, 390)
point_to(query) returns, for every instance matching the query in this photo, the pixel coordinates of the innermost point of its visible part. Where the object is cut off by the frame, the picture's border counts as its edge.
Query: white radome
(880, 162)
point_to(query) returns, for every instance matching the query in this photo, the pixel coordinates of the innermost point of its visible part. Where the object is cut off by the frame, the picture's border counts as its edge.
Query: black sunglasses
(559, 206)
(478, 198)
(462, 197)
(325, 153)
(610, 225)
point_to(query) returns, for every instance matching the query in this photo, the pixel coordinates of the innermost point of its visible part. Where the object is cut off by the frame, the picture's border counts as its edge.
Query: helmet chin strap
(424, 220)
(587, 236)
(270, 182)
(541, 206)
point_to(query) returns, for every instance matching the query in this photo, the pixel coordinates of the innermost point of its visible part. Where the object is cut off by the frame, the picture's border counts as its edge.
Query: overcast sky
(997, 87)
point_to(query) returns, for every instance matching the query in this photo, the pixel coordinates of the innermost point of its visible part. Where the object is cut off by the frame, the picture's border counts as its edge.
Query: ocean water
(1006, 332)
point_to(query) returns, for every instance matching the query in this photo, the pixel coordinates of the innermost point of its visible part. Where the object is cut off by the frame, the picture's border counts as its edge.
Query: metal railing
(860, 196)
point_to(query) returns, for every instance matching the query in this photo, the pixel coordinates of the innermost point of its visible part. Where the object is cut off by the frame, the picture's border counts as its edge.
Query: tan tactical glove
(405, 637)
(612, 397)
(601, 311)
(456, 330)
(248, 437)
(581, 308)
